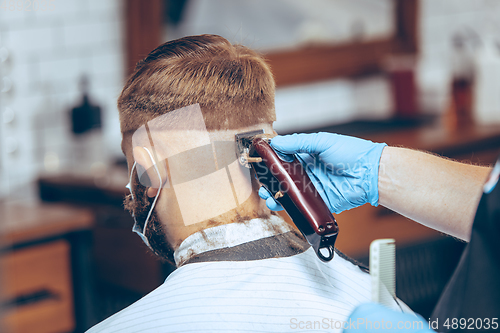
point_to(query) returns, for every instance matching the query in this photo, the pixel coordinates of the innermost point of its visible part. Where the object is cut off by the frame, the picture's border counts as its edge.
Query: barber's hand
(372, 317)
(343, 169)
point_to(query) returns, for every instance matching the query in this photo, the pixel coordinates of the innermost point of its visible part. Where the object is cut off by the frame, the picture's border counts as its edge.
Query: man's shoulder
(149, 312)
(133, 317)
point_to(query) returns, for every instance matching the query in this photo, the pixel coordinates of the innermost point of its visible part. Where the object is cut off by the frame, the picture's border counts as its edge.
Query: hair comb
(382, 270)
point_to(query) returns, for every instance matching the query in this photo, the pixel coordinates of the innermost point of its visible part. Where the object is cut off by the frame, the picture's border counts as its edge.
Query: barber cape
(256, 276)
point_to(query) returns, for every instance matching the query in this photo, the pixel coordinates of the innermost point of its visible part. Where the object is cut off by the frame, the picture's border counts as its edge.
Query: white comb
(382, 271)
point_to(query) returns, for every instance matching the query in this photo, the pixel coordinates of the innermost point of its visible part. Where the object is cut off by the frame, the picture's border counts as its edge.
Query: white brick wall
(440, 20)
(48, 53)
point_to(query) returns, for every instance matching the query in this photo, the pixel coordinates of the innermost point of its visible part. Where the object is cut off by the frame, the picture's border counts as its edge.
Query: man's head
(234, 89)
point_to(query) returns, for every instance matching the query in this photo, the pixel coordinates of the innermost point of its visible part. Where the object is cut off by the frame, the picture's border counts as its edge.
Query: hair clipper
(290, 185)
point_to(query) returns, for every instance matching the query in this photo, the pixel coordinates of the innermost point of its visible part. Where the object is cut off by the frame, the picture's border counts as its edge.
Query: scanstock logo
(200, 170)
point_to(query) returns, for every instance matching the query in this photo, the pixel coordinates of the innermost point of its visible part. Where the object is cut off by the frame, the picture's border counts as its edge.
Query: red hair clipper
(290, 185)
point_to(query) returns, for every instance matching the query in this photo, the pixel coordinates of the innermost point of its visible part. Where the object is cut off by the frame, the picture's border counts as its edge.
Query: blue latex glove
(343, 169)
(371, 317)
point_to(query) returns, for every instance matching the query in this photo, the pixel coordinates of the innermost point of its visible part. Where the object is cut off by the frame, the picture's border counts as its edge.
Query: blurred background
(423, 74)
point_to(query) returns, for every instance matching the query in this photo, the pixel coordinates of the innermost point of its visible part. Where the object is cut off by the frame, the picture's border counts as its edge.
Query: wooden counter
(472, 143)
(40, 268)
(28, 223)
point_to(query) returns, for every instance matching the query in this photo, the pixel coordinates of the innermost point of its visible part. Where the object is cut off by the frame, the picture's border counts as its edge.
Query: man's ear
(145, 160)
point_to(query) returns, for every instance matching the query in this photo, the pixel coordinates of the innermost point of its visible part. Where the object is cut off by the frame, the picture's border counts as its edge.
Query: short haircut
(232, 84)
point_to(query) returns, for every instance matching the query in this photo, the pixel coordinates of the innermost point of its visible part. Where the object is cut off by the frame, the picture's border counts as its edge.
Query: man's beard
(155, 231)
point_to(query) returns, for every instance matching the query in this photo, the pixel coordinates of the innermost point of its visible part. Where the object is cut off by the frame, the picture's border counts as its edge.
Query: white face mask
(137, 228)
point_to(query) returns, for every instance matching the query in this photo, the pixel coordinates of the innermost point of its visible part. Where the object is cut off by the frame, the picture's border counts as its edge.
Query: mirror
(311, 41)
(281, 25)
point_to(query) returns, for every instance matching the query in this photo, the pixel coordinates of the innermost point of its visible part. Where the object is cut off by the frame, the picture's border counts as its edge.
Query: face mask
(137, 228)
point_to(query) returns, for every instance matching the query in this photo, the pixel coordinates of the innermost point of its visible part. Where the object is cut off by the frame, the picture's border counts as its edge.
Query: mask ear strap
(157, 194)
(129, 185)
